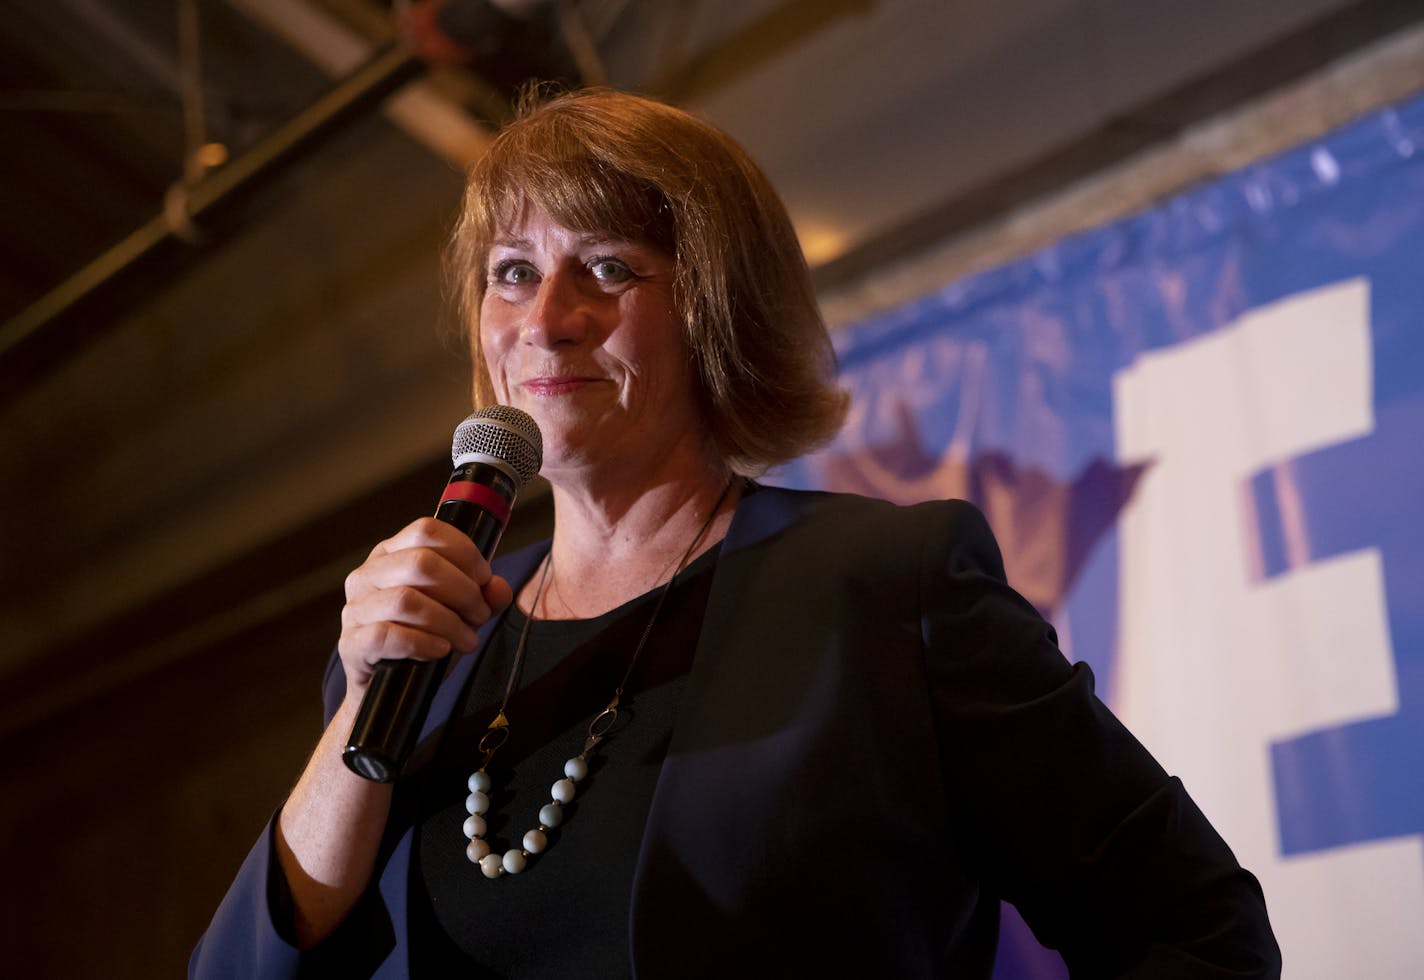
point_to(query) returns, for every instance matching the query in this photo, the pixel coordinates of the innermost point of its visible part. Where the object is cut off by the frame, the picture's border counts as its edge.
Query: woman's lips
(558, 385)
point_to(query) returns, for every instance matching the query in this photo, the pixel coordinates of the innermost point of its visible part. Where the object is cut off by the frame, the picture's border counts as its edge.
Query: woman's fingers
(455, 545)
(362, 647)
(498, 593)
(409, 607)
(419, 595)
(419, 570)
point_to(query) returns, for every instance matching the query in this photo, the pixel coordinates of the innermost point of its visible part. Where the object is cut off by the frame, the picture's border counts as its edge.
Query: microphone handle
(396, 703)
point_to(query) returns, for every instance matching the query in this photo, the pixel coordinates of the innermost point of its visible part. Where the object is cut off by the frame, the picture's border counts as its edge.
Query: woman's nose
(559, 314)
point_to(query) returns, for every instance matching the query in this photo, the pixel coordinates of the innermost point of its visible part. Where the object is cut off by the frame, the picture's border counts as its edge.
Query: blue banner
(1199, 436)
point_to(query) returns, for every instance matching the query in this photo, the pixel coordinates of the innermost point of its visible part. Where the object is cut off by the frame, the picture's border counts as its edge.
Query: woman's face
(580, 331)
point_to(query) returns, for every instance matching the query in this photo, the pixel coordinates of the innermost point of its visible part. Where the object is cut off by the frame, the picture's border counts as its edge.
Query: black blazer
(879, 740)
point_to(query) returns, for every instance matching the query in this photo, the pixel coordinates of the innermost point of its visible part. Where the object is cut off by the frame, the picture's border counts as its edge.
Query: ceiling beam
(59, 323)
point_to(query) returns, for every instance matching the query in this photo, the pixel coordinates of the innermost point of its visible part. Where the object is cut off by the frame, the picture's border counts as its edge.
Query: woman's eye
(513, 272)
(610, 270)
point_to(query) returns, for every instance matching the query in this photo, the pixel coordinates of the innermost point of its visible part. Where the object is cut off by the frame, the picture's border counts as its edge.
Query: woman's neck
(611, 547)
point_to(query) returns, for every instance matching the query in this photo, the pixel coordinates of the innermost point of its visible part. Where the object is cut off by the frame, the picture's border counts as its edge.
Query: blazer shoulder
(950, 533)
(967, 540)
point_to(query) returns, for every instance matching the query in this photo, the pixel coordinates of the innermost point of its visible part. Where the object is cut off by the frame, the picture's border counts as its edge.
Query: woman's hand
(419, 595)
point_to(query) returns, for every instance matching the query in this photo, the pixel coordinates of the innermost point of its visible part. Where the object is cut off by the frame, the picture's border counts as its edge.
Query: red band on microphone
(480, 495)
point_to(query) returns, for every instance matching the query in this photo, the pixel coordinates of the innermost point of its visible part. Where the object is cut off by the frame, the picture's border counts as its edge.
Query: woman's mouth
(555, 385)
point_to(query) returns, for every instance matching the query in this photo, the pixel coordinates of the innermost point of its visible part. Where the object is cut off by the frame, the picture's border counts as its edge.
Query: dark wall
(127, 815)
(128, 812)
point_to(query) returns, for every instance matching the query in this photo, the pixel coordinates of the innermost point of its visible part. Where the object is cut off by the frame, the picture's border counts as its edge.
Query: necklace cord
(498, 732)
(477, 804)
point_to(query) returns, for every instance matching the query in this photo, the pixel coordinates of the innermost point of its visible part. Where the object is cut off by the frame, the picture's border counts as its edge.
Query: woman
(840, 737)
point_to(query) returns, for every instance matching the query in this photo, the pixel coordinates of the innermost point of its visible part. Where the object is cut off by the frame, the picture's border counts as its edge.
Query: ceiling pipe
(56, 326)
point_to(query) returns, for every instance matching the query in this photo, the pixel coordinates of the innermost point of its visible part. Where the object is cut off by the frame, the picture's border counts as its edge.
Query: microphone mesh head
(504, 434)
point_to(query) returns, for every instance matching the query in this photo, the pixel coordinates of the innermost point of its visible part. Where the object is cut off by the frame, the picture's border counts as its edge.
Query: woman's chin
(567, 449)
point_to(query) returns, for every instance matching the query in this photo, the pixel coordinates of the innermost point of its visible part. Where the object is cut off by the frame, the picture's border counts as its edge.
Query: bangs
(556, 173)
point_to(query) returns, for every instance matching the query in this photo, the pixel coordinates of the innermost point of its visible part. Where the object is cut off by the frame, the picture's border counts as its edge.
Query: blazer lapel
(664, 887)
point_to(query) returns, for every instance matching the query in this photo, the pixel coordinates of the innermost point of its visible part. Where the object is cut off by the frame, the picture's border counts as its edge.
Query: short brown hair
(598, 160)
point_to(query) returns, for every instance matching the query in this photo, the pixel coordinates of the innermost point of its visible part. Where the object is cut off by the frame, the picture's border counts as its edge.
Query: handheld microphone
(495, 451)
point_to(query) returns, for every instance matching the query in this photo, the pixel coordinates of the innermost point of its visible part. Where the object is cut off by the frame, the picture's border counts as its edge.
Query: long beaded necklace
(551, 814)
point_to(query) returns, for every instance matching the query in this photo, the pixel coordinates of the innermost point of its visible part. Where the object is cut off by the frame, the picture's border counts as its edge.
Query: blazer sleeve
(1106, 856)
(248, 936)
(243, 939)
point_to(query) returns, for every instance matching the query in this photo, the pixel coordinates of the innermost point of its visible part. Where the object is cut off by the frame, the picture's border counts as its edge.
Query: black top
(567, 914)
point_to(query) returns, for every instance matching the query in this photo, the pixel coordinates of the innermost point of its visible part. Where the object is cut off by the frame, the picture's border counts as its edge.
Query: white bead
(476, 802)
(563, 791)
(480, 782)
(476, 851)
(551, 814)
(492, 865)
(576, 769)
(535, 842)
(513, 861)
(475, 825)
